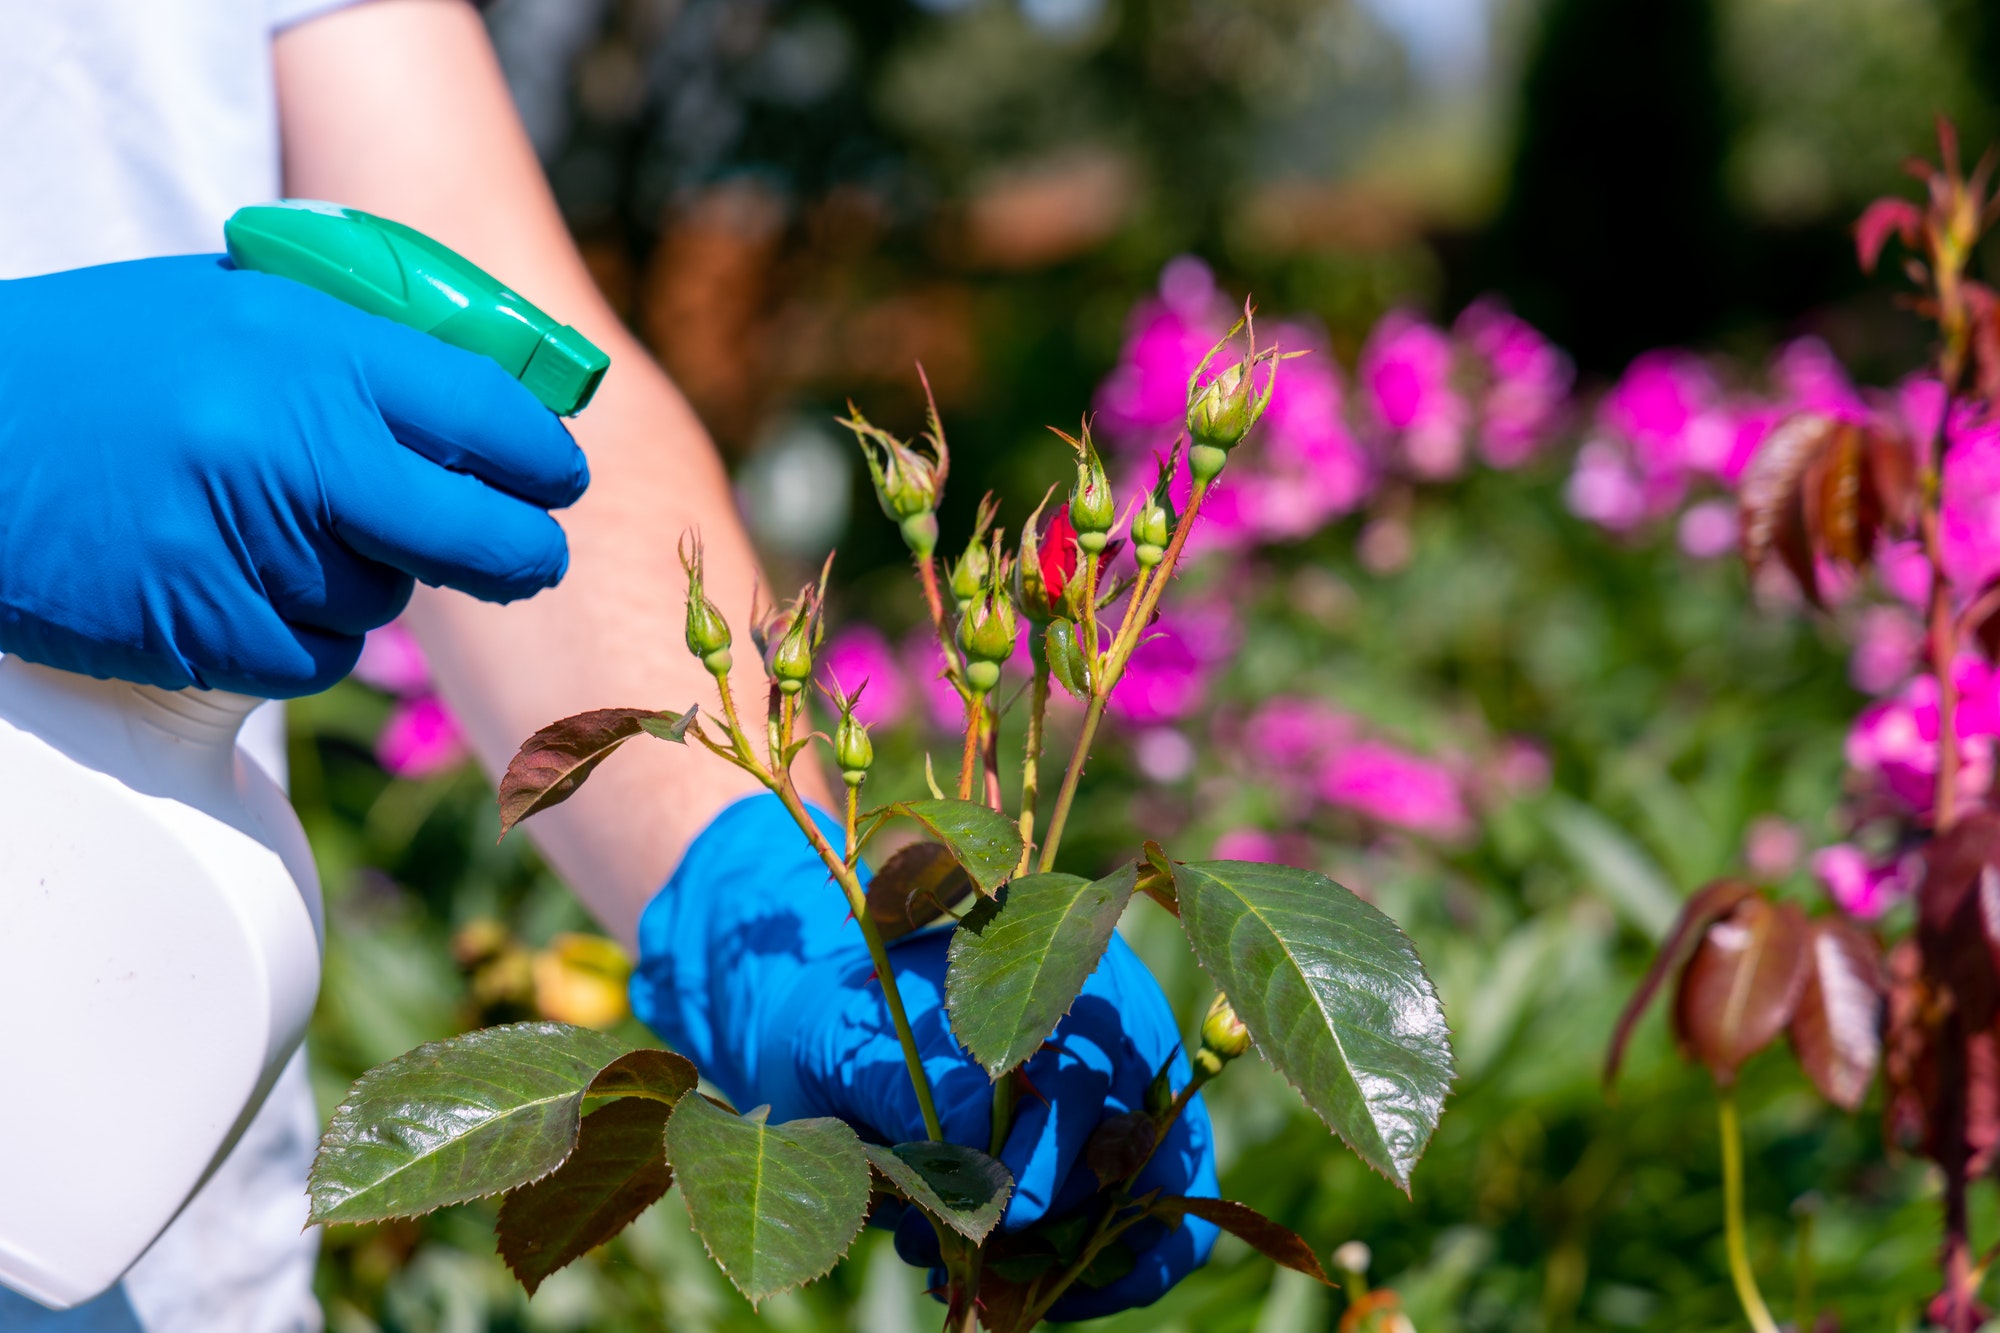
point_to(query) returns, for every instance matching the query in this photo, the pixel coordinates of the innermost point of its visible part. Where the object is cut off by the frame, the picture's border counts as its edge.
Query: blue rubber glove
(224, 479)
(750, 966)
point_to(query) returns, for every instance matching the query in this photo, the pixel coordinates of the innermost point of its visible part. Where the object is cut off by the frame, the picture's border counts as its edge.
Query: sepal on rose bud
(1153, 525)
(708, 635)
(852, 749)
(1221, 412)
(907, 484)
(969, 572)
(987, 628)
(787, 636)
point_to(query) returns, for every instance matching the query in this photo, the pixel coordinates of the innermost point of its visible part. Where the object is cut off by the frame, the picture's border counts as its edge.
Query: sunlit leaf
(456, 1120)
(1156, 878)
(776, 1205)
(1018, 961)
(619, 1170)
(1742, 984)
(959, 1186)
(1333, 995)
(1837, 1030)
(915, 887)
(986, 842)
(552, 763)
(1271, 1239)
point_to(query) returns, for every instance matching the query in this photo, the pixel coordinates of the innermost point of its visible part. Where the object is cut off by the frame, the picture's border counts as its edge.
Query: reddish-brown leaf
(1909, 1064)
(552, 763)
(1881, 220)
(1958, 914)
(617, 1170)
(1120, 1146)
(1271, 1239)
(1837, 1031)
(1773, 498)
(915, 887)
(1840, 520)
(1742, 984)
(1892, 475)
(1703, 907)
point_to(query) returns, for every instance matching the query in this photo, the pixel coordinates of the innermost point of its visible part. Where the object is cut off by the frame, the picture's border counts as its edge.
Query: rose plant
(578, 1133)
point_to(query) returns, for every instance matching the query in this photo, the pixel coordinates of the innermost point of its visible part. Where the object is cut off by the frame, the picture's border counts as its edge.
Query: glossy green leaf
(776, 1205)
(456, 1120)
(1017, 961)
(553, 763)
(959, 1186)
(1333, 995)
(986, 842)
(619, 1170)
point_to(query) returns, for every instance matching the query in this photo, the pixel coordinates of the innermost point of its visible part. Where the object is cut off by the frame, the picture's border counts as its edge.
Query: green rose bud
(852, 749)
(908, 485)
(707, 632)
(986, 631)
(969, 573)
(1221, 412)
(1223, 1037)
(1093, 509)
(787, 636)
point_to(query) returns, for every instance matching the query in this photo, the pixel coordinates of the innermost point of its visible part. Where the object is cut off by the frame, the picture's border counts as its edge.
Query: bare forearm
(398, 107)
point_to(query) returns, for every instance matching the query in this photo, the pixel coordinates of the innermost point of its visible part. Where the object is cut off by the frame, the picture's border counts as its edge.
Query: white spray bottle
(160, 921)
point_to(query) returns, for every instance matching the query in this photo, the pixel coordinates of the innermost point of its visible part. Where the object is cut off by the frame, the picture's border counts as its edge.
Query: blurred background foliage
(792, 202)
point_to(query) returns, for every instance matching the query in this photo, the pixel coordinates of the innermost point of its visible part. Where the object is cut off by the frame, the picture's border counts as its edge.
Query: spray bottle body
(160, 940)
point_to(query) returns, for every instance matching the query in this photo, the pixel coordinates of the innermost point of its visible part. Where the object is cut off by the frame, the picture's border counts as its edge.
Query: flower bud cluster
(708, 634)
(908, 484)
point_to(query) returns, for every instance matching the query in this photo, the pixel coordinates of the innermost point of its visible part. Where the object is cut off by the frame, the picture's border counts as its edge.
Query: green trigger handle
(394, 271)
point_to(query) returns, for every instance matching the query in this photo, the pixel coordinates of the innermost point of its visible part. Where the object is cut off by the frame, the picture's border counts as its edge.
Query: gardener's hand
(224, 479)
(750, 966)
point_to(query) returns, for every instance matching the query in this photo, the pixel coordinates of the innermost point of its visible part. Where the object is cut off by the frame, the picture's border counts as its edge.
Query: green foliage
(471, 1116)
(775, 1205)
(960, 1187)
(1018, 960)
(1334, 996)
(986, 842)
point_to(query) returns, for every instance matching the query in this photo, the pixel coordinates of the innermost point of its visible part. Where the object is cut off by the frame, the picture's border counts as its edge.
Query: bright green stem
(878, 953)
(1747, 1294)
(1064, 797)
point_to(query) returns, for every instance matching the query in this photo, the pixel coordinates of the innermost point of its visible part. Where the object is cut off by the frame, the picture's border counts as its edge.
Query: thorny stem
(1740, 1272)
(1031, 752)
(990, 758)
(968, 763)
(934, 601)
(736, 737)
(878, 953)
(1104, 676)
(852, 818)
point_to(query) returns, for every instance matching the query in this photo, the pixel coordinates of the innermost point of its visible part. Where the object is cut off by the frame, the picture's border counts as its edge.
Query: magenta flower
(1666, 407)
(1895, 741)
(392, 662)
(420, 739)
(1708, 529)
(1810, 378)
(1522, 768)
(923, 664)
(1292, 735)
(1887, 643)
(1861, 887)
(1528, 381)
(1145, 395)
(1306, 468)
(858, 654)
(1969, 505)
(1405, 380)
(1606, 489)
(1167, 677)
(1249, 844)
(1395, 787)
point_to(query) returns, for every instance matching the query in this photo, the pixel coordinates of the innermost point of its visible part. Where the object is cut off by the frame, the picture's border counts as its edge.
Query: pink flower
(1771, 847)
(1396, 787)
(1146, 394)
(392, 662)
(1665, 406)
(1811, 379)
(1895, 740)
(1304, 468)
(1605, 489)
(1905, 572)
(1163, 755)
(1861, 887)
(1290, 734)
(923, 663)
(421, 738)
(858, 654)
(1888, 640)
(1969, 517)
(1405, 378)
(1522, 767)
(1528, 384)
(1167, 677)
(1248, 844)
(1708, 529)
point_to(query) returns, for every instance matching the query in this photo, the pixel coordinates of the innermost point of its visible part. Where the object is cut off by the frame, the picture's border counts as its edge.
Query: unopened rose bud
(987, 628)
(789, 635)
(708, 634)
(968, 575)
(1223, 1037)
(852, 749)
(1221, 412)
(1093, 509)
(1150, 534)
(792, 658)
(907, 484)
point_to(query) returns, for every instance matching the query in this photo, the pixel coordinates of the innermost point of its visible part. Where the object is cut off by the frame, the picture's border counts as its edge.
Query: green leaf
(619, 1170)
(456, 1120)
(960, 1187)
(986, 842)
(1274, 1240)
(1616, 864)
(776, 1205)
(1017, 961)
(668, 727)
(1333, 995)
(552, 763)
